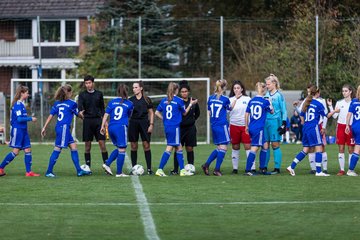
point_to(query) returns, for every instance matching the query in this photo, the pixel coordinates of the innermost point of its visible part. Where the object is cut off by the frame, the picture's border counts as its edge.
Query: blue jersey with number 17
(218, 109)
(119, 110)
(313, 113)
(355, 110)
(171, 112)
(65, 111)
(257, 108)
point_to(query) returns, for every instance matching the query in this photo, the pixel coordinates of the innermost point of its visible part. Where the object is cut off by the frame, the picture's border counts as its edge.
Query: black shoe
(234, 171)
(217, 173)
(312, 172)
(150, 172)
(253, 170)
(275, 171)
(325, 171)
(173, 172)
(263, 171)
(205, 169)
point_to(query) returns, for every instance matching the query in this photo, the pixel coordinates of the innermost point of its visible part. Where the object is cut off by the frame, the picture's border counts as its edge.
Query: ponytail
(312, 91)
(220, 87)
(19, 90)
(172, 87)
(122, 92)
(61, 92)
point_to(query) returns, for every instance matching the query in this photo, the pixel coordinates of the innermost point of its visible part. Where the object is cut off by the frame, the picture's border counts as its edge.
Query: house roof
(49, 8)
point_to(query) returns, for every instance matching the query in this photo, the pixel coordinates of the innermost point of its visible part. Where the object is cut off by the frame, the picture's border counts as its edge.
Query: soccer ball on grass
(137, 170)
(190, 168)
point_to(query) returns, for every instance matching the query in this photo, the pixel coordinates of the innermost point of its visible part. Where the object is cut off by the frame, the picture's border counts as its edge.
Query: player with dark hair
(187, 127)
(141, 122)
(19, 136)
(91, 101)
(65, 109)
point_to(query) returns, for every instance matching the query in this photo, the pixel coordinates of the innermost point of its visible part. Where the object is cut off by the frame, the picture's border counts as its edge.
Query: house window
(23, 29)
(70, 31)
(50, 31)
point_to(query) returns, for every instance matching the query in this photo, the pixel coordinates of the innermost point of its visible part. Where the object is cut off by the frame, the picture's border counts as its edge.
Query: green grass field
(198, 207)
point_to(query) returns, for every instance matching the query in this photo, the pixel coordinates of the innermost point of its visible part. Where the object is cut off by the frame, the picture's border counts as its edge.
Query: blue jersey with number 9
(313, 113)
(355, 110)
(257, 108)
(65, 111)
(171, 112)
(119, 110)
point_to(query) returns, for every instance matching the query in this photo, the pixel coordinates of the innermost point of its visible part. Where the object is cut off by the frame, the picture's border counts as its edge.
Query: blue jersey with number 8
(257, 108)
(218, 109)
(119, 110)
(355, 110)
(172, 113)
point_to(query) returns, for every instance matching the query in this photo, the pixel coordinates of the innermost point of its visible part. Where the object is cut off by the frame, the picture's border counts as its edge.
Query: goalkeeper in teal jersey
(275, 125)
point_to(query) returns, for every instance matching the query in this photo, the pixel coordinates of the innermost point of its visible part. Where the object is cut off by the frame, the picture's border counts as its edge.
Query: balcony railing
(17, 48)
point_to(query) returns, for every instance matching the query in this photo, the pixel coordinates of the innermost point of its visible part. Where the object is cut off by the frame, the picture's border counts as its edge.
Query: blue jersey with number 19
(355, 110)
(257, 108)
(218, 109)
(119, 110)
(65, 111)
(313, 113)
(171, 112)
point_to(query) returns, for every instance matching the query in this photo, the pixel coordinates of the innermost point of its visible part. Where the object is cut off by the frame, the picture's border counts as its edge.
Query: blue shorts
(356, 136)
(63, 136)
(172, 136)
(221, 135)
(271, 130)
(257, 137)
(118, 135)
(312, 137)
(19, 138)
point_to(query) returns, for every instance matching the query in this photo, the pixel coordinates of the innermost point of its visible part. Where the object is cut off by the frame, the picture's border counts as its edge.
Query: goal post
(155, 88)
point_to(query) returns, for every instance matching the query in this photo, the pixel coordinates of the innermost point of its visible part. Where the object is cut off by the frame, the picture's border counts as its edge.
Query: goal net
(39, 105)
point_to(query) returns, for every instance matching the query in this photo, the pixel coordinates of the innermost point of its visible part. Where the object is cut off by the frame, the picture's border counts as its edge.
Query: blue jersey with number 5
(218, 109)
(172, 113)
(119, 110)
(65, 111)
(355, 110)
(313, 113)
(257, 108)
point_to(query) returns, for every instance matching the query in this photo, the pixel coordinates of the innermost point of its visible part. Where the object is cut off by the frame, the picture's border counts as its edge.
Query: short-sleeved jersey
(18, 110)
(279, 105)
(313, 114)
(355, 110)
(119, 110)
(218, 109)
(65, 111)
(171, 112)
(237, 114)
(257, 108)
(141, 107)
(344, 109)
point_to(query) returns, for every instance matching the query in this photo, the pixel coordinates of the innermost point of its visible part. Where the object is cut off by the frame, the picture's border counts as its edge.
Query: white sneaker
(121, 175)
(184, 173)
(160, 173)
(352, 173)
(291, 171)
(107, 169)
(322, 174)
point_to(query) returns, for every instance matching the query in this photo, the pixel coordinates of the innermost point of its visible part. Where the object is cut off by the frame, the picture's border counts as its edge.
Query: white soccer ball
(85, 168)
(190, 168)
(137, 170)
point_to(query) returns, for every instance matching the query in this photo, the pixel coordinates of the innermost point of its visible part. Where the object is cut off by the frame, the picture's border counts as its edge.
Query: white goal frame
(206, 79)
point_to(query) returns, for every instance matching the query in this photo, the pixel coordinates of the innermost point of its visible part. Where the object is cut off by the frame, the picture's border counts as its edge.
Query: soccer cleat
(321, 174)
(150, 172)
(217, 173)
(325, 171)
(291, 171)
(249, 174)
(234, 171)
(263, 171)
(83, 173)
(160, 173)
(205, 169)
(312, 172)
(2, 172)
(121, 175)
(352, 173)
(340, 173)
(275, 171)
(50, 175)
(173, 172)
(32, 174)
(107, 169)
(184, 173)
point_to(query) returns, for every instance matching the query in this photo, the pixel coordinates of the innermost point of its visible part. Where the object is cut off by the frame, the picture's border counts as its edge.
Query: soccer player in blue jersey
(218, 105)
(275, 125)
(65, 109)
(170, 110)
(119, 109)
(19, 136)
(354, 114)
(310, 115)
(256, 113)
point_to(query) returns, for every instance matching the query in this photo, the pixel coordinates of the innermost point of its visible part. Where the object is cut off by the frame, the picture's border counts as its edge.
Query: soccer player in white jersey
(239, 100)
(342, 137)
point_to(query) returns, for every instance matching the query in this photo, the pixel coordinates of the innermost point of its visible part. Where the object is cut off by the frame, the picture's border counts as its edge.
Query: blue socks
(7, 159)
(301, 155)
(75, 159)
(28, 161)
(277, 157)
(165, 157)
(180, 159)
(220, 158)
(212, 157)
(353, 161)
(318, 160)
(263, 154)
(53, 158)
(250, 160)
(120, 162)
(112, 157)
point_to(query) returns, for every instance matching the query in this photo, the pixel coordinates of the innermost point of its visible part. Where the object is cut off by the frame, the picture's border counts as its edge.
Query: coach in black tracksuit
(187, 127)
(92, 102)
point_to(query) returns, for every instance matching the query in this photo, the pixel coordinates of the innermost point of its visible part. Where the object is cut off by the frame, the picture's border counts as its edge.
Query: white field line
(142, 203)
(184, 203)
